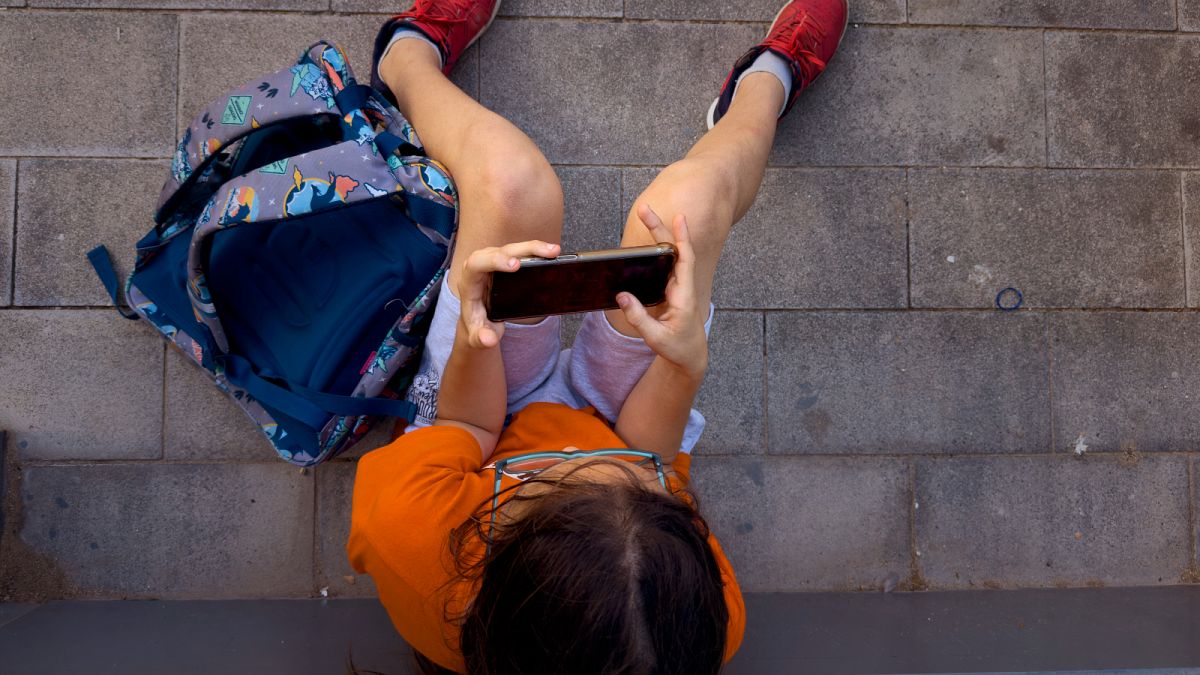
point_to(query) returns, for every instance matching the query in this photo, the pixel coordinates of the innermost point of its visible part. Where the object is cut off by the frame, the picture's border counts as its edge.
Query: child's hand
(472, 279)
(677, 334)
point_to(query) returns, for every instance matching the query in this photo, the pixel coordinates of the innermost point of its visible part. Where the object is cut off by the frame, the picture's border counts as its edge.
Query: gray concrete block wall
(874, 421)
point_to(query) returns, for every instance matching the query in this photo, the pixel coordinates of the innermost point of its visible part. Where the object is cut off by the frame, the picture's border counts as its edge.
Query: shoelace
(810, 64)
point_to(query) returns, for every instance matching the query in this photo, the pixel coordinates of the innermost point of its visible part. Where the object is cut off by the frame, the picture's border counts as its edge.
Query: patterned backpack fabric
(300, 243)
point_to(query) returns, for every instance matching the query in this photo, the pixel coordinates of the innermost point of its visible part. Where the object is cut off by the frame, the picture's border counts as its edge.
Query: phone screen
(579, 283)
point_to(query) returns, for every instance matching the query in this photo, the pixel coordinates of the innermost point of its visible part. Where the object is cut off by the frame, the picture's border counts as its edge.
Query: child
(500, 540)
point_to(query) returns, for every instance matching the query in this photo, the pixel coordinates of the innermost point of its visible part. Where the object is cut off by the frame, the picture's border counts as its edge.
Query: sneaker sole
(712, 109)
(495, 12)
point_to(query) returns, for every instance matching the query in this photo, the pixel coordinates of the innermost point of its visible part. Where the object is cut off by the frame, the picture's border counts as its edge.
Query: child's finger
(488, 337)
(484, 260)
(637, 316)
(484, 337)
(653, 223)
(532, 248)
(685, 263)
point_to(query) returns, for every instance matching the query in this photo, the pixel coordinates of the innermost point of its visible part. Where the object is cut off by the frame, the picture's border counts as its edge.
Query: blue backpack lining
(329, 283)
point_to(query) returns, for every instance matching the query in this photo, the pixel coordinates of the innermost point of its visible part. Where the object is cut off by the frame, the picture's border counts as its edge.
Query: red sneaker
(453, 25)
(806, 33)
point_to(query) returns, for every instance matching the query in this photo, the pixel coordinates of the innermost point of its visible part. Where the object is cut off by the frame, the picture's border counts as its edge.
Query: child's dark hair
(593, 578)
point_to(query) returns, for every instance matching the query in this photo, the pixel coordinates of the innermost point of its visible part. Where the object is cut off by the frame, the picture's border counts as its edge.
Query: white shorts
(599, 370)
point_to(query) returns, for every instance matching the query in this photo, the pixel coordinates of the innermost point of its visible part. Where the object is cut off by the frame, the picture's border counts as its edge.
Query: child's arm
(473, 393)
(655, 414)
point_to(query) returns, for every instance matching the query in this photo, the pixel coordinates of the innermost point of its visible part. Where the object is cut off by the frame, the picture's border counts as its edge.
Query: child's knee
(514, 186)
(691, 188)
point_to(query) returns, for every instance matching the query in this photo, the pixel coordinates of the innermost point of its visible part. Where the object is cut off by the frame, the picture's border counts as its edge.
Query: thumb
(635, 313)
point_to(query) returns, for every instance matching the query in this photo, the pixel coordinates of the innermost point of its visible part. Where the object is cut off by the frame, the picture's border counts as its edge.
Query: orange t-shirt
(409, 496)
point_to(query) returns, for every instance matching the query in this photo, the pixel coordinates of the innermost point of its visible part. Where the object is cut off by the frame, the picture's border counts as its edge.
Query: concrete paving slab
(128, 109)
(258, 44)
(733, 397)
(1189, 15)
(174, 530)
(8, 205)
(922, 96)
(203, 423)
(814, 238)
(861, 11)
(204, 637)
(68, 207)
(272, 5)
(1145, 15)
(1043, 521)
(80, 384)
(335, 492)
(640, 104)
(907, 382)
(569, 329)
(1126, 382)
(801, 523)
(1063, 238)
(1191, 233)
(593, 215)
(1122, 100)
(609, 9)
(603, 9)
(379, 436)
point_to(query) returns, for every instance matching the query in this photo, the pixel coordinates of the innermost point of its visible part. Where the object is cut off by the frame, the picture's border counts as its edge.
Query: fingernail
(623, 301)
(512, 262)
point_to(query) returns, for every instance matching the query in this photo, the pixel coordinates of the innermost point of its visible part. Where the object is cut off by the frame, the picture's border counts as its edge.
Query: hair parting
(590, 578)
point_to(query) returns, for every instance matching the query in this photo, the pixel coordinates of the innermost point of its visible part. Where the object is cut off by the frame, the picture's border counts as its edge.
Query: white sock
(404, 32)
(770, 62)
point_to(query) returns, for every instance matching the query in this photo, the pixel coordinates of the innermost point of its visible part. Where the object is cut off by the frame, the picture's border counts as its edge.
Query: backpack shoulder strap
(307, 88)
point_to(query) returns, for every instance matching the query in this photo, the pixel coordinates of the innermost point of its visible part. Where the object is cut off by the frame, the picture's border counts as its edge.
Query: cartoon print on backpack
(209, 147)
(241, 207)
(308, 194)
(378, 118)
(361, 129)
(309, 77)
(380, 358)
(180, 167)
(376, 192)
(437, 182)
(335, 66)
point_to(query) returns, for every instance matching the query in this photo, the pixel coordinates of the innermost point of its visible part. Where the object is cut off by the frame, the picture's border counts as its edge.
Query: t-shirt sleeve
(417, 488)
(408, 497)
(683, 467)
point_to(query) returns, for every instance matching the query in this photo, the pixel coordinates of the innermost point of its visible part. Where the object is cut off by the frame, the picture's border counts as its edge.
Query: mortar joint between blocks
(14, 212)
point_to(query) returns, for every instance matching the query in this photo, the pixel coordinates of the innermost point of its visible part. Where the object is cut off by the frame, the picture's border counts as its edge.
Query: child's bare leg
(715, 184)
(507, 190)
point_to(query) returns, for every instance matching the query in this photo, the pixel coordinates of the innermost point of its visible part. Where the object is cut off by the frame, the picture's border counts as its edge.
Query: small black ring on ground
(1005, 294)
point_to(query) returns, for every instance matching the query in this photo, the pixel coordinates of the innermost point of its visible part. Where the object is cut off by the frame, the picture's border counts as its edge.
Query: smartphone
(584, 281)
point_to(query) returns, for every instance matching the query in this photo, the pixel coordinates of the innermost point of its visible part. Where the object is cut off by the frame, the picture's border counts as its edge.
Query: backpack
(299, 245)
